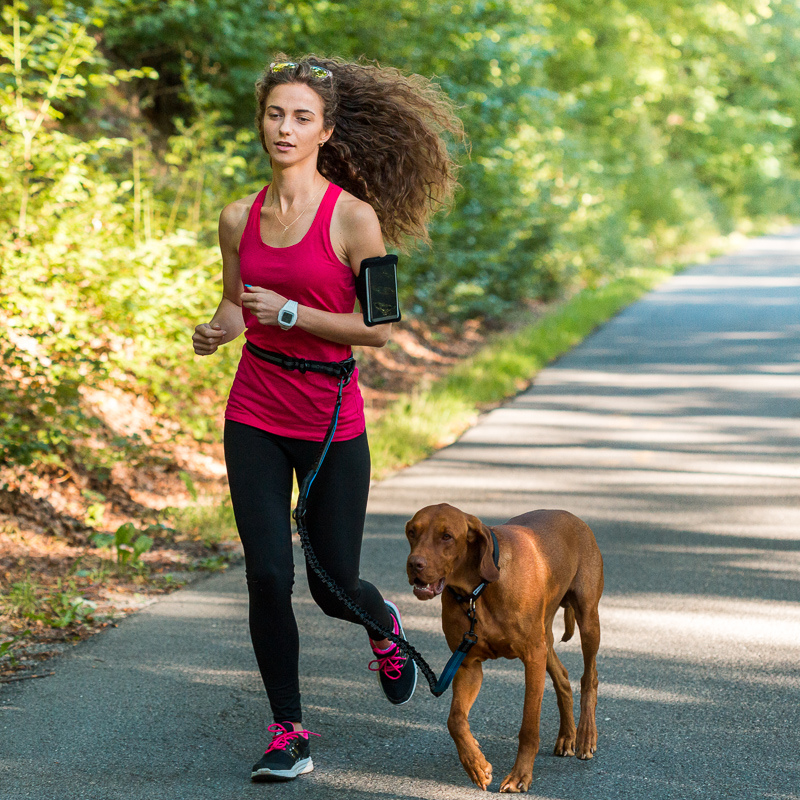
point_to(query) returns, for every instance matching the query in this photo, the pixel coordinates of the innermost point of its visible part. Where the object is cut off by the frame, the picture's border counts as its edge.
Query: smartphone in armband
(376, 289)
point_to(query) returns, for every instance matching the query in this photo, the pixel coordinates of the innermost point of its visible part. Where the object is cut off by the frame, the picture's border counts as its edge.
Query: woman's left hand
(263, 303)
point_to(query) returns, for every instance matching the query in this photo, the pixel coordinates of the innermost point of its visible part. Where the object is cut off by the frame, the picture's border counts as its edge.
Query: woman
(357, 155)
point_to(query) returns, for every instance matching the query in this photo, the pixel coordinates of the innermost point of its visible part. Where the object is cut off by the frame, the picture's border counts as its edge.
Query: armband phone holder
(376, 289)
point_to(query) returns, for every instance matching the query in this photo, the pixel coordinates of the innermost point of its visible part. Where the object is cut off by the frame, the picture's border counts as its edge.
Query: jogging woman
(357, 157)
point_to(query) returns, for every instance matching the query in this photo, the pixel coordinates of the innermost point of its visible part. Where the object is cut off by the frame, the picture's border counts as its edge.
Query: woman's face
(293, 123)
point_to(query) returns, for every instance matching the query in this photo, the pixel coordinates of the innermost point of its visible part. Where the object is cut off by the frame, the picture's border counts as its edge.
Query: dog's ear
(483, 541)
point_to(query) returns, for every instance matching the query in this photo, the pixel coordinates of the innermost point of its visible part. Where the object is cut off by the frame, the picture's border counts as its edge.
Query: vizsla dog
(547, 560)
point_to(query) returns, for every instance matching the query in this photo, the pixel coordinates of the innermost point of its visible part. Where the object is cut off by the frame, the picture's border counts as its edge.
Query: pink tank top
(264, 395)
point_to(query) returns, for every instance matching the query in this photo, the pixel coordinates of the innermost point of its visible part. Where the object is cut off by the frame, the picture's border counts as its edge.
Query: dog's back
(569, 546)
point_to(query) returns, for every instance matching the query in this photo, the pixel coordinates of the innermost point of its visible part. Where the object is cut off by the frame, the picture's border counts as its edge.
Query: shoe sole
(416, 671)
(270, 775)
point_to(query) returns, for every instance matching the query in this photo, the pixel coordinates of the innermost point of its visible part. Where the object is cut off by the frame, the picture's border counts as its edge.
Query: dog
(547, 560)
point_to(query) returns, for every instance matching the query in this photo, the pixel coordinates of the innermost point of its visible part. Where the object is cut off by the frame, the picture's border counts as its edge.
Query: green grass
(418, 424)
(210, 523)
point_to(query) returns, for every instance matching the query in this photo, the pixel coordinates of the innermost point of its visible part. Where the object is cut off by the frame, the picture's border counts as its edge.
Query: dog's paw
(565, 745)
(478, 769)
(516, 782)
(586, 743)
(586, 753)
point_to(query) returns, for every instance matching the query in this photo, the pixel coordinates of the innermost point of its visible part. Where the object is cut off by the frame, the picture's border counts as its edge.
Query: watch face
(286, 318)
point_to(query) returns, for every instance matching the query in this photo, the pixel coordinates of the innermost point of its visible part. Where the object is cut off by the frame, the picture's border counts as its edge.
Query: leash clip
(469, 639)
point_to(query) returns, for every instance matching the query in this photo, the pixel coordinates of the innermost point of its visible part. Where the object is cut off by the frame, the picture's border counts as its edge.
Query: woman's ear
(483, 541)
(326, 134)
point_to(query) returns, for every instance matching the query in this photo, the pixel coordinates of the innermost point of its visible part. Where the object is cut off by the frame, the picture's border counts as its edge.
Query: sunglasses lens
(281, 66)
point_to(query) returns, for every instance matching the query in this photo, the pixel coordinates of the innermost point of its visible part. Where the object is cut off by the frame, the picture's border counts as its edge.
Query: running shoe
(287, 756)
(397, 673)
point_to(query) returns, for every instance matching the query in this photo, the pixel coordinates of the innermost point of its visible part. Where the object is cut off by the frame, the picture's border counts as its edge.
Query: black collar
(476, 592)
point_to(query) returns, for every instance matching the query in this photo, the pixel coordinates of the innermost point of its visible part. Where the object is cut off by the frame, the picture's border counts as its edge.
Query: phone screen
(382, 293)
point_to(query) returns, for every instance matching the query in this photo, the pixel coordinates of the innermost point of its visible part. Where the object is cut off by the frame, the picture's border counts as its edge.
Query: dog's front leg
(466, 685)
(519, 779)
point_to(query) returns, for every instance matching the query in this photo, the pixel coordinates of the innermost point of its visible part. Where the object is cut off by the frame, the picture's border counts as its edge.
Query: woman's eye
(303, 119)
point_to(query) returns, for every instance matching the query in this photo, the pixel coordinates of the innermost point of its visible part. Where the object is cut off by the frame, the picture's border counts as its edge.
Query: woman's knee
(269, 580)
(329, 603)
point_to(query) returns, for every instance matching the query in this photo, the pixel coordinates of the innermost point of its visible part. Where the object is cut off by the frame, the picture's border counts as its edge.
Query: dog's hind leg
(565, 743)
(466, 685)
(589, 626)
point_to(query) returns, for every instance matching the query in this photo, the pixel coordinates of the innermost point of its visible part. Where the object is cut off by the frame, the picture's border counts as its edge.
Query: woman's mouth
(284, 147)
(427, 591)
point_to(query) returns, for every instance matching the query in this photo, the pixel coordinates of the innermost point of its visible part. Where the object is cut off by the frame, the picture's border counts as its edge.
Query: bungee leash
(343, 371)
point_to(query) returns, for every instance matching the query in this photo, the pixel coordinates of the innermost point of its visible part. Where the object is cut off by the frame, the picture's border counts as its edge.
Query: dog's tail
(569, 623)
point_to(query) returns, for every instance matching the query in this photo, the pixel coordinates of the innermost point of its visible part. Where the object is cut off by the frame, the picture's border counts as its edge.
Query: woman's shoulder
(233, 213)
(233, 219)
(355, 230)
(353, 213)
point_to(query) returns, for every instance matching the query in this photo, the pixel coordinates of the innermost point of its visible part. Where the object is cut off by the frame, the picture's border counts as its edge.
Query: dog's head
(447, 543)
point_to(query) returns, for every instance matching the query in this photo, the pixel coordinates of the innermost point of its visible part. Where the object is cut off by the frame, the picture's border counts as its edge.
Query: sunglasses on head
(316, 71)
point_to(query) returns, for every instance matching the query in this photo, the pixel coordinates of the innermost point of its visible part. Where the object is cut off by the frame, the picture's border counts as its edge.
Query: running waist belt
(343, 370)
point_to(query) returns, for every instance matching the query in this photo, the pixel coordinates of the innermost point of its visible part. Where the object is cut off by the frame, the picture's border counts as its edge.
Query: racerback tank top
(264, 395)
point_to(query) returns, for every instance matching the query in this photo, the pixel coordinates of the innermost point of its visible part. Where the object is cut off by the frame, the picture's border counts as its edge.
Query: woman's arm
(227, 322)
(356, 233)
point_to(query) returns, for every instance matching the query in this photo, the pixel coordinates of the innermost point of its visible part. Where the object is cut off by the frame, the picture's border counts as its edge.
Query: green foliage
(189, 484)
(108, 256)
(7, 652)
(210, 524)
(604, 135)
(128, 545)
(58, 608)
(65, 606)
(21, 598)
(211, 564)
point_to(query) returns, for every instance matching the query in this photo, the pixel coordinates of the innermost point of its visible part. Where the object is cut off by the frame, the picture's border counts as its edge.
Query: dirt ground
(57, 586)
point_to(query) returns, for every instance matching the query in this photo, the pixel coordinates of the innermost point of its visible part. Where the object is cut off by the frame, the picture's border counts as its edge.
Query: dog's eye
(446, 537)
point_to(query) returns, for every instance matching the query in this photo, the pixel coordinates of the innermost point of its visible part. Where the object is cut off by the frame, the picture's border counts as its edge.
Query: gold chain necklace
(286, 227)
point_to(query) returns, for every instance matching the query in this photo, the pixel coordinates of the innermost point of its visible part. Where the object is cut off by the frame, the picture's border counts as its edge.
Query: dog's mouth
(427, 591)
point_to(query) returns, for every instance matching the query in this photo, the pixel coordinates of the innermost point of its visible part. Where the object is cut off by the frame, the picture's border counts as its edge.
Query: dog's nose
(417, 563)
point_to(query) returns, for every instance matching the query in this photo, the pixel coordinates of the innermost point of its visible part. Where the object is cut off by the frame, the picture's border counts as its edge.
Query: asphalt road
(673, 431)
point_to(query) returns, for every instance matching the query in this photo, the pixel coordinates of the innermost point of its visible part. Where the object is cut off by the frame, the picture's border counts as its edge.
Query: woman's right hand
(207, 338)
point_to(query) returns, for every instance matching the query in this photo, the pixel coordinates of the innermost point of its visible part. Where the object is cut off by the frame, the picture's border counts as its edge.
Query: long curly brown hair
(388, 146)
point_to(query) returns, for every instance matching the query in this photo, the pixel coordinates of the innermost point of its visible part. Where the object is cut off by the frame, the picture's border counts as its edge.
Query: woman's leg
(260, 478)
(337, 507)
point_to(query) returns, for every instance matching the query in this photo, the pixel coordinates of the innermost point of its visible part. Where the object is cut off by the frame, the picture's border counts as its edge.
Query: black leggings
(260, 467)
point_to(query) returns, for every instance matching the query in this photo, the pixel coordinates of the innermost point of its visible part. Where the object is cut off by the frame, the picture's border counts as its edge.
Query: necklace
(286, 227)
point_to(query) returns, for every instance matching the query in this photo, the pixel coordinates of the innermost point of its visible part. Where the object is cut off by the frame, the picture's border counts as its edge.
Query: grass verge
(417, 424)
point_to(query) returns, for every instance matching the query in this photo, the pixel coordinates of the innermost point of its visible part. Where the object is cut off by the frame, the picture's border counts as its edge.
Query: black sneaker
(397, 673)
(287, 756)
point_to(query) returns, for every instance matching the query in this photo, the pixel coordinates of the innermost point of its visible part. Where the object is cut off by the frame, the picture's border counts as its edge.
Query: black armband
(376, 290)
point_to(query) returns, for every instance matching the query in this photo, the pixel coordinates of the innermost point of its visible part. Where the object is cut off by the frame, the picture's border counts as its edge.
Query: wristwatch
(287, 316)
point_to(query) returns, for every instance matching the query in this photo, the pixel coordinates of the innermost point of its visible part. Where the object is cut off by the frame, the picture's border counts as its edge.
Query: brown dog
(547, 559)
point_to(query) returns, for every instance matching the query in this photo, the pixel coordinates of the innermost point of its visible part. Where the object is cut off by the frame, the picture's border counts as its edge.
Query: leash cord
(299, 516)
(343, 370)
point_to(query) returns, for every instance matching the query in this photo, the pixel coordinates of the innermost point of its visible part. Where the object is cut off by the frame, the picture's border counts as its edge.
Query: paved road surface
(674, 431)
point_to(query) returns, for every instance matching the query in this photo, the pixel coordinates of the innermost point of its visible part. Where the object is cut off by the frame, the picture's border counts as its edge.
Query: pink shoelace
(282, 737)
(390, 665)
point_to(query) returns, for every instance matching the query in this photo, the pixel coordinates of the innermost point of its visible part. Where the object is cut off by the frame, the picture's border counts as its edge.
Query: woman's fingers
(264, 303)
(207, 337)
